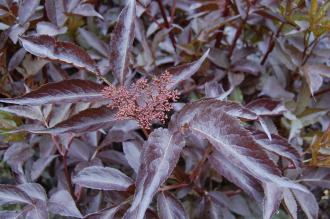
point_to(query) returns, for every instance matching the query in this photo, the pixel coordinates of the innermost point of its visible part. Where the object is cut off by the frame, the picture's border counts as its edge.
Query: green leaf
(10, 122)
(324, 8)
(314, 8)
(237, 95)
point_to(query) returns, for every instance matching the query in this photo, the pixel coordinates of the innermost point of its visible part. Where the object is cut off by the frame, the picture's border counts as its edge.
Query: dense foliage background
(247, 137)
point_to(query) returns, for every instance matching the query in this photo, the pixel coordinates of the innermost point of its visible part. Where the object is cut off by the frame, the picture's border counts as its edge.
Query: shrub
(164, 109)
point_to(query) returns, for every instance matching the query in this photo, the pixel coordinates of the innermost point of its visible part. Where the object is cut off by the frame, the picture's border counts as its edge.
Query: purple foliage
(169, 109)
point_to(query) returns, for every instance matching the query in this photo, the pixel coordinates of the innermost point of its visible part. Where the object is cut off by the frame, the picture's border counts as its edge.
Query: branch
(219, 35)
(66, 170)
(167, 24)
(176, 186)
(238, 33)
(197, 170)
(150, 15)
(271, 44)
(64, 156)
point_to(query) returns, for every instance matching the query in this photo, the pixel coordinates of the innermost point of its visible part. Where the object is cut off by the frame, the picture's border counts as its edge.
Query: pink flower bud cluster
(142, 101)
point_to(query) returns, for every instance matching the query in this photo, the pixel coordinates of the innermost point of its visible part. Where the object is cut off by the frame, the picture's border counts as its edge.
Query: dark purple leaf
(274, 16)
(88, 120)
(106, 213)
(159, 157)
(241, 7)
(272, 200)
(12, 195)
(26, 10)
(9, 214)
(113, 157)
(150, 214)
(92, 40)
(51, 10)
(68, 91)
(62, 203)
(266, 107)
(184, 72)
(290, 203)
(30, 193)
(169, 207)
(213, 89)
(32, 128)
(313, 75)
(307, 202)
(17, 154)
(121, 42)
(16, 59)
(59, 113)
(247, 66)
(34, 191)
(47, 47)
(80, 150)
(219, 198)
(278, 145)
(46, 146)
(273, 88)
(39, 211)
(122, 130)
(32, 66)
(40, 165)
(234, 109)
(15, 31)
(235, 143)
(234, 174)
(85, 9)
(84, 164)
(104, 178)
(316, 177)
(50, 29)
(30, 112)
(55, 12)
(212, 210)
(227, 214)
(132, 151)
(267, 126)
(239, 205)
